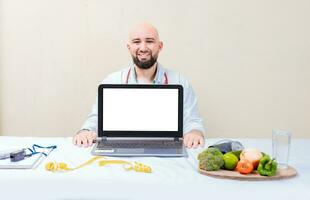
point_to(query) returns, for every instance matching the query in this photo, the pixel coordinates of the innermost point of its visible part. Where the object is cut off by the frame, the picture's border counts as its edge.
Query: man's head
(144, 45)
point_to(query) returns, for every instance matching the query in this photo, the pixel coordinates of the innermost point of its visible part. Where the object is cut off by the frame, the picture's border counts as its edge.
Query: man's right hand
(84, 138)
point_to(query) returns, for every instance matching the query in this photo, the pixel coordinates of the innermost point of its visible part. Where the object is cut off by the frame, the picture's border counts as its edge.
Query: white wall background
(248, 60)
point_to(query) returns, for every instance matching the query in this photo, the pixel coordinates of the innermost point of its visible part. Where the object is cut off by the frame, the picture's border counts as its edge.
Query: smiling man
(144, 46)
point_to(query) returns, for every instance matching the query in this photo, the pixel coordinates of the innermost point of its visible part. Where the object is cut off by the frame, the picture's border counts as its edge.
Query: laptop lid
(136, 110)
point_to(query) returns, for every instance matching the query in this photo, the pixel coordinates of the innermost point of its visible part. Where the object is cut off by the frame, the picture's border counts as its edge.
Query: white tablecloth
(172, 178)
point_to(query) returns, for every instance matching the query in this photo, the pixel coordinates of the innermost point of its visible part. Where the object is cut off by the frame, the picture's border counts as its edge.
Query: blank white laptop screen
(143, 109)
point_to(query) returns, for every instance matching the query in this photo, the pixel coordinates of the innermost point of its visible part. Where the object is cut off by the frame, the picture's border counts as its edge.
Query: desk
(172, 178)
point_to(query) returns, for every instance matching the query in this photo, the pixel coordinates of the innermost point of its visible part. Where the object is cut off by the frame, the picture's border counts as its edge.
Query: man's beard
(144, 64)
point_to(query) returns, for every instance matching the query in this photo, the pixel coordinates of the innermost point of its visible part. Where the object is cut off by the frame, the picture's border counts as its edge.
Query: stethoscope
(128, 74)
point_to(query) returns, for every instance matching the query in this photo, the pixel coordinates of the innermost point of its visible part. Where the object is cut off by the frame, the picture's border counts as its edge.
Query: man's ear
(128, 46)
(161, 45)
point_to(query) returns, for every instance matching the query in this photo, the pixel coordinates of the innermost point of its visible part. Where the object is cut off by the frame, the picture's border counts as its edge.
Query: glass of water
(281, 142)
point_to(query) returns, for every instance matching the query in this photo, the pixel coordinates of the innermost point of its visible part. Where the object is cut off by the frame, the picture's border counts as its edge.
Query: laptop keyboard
(139, 144)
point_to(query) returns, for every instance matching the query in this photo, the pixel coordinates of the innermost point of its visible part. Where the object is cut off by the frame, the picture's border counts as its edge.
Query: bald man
(144, 47)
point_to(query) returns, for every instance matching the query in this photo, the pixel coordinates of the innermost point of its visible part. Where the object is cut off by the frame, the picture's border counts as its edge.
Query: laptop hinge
(142, 138)
(176, 139)
(101, 138)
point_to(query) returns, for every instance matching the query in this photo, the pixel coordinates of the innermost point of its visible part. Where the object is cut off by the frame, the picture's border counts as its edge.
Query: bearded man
(144, 47)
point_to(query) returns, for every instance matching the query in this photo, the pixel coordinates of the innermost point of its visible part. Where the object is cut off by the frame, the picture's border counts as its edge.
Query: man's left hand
(193, 139)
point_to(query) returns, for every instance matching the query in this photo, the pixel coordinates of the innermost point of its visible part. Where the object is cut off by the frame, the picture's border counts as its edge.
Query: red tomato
(244, 167)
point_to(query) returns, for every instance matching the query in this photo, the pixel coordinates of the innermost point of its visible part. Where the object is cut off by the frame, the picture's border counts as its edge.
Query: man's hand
(194, 139)
(84, 138)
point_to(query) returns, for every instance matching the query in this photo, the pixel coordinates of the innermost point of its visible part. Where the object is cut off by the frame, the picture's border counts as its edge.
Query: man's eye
(150, 41)
(136, 42)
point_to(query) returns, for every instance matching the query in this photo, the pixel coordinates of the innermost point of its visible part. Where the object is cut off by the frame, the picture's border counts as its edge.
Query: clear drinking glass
(281, 142)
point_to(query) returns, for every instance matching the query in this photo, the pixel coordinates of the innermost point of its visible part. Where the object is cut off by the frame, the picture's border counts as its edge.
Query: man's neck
(147, 75)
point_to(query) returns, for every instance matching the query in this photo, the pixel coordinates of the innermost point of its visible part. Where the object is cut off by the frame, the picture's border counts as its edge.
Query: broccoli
(211, 159)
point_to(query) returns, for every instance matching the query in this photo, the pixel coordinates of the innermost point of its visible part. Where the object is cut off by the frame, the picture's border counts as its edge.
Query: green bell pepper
(267, 166)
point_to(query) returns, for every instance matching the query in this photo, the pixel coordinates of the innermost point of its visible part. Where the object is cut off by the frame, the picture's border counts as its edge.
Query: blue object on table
(33, 150)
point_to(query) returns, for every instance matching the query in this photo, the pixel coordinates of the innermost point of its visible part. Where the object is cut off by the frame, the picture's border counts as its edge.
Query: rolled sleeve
(91, 122)
(192, 119)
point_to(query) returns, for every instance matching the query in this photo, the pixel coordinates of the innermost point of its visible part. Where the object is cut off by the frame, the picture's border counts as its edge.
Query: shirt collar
(159, 77)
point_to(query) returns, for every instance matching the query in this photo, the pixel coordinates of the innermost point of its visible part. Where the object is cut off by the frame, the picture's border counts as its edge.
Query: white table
(172, 178)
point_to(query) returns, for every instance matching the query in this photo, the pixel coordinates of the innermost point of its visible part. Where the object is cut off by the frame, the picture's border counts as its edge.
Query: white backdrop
(248, 61)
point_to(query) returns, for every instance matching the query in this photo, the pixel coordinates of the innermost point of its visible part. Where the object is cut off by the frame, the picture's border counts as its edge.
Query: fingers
(196, 142)
(190, 142)
(90, 139)
(85, 141)
(193, 140)
(202, 142)
(84, 138)
(81, 140)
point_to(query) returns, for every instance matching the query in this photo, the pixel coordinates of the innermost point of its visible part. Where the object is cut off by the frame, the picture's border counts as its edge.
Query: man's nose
(143, 46)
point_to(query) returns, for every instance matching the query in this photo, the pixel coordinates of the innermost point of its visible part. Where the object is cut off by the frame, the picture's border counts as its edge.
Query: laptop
(140, 120)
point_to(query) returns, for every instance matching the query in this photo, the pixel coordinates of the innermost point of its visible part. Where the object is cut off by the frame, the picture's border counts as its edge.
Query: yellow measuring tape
(60, 166)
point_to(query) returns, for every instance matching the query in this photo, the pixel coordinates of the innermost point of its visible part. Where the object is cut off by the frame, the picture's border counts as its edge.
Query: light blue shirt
(191, 117)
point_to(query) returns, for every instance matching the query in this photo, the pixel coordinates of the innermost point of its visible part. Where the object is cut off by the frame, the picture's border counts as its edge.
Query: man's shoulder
(176, 77)
(116, 77)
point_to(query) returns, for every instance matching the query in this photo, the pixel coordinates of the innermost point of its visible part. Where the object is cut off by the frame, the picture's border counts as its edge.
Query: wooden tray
(254, 176)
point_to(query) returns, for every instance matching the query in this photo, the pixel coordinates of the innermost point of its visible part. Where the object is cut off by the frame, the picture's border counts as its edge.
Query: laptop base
(178, 151)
